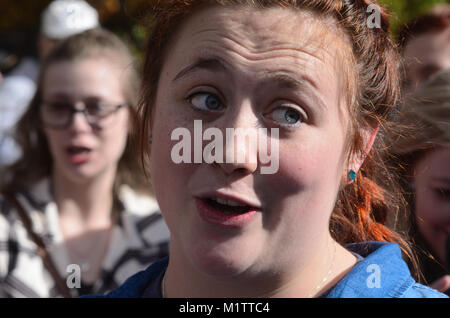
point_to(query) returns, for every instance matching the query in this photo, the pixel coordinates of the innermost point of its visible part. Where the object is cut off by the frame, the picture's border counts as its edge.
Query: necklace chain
(324, 279)
(327, 275)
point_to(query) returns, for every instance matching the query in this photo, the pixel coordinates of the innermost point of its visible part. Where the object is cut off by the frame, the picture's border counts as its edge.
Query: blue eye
(206, 101)
(286, 116)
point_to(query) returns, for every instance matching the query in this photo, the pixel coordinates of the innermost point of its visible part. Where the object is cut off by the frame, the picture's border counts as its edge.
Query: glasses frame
(73, 111)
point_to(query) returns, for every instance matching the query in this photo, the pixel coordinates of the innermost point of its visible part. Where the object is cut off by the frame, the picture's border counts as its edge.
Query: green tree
(404, 10)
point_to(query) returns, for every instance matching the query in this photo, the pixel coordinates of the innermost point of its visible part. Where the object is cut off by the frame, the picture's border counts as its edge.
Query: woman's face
(432, 191)
(245, 68)
(82, 151)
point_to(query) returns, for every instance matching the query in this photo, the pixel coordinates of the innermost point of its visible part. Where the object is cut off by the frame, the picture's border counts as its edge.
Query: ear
(369, 134)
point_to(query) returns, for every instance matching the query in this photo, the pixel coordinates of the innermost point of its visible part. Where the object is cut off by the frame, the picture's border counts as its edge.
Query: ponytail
(365, 208)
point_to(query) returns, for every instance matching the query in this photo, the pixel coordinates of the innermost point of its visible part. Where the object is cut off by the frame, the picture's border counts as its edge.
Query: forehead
(276, 37)
(94, 77)
(430, 46)
(434, 167)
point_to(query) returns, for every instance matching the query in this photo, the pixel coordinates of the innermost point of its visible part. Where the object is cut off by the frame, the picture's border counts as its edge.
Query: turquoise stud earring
(352, 175)
(150, 139)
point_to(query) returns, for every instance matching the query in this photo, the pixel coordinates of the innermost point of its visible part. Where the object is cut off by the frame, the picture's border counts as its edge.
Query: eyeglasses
(59, 114)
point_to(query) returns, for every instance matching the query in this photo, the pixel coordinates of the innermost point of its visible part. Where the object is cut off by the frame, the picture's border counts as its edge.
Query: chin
(218, 267)
(221, 261)
(82, 174)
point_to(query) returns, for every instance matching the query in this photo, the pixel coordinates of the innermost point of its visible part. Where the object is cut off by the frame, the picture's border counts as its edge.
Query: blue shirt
(381, 273)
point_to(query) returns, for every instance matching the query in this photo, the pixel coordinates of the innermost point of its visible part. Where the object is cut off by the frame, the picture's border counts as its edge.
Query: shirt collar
(382, 273)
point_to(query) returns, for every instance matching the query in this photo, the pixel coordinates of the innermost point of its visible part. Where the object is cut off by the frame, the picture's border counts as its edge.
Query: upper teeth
(228, 202)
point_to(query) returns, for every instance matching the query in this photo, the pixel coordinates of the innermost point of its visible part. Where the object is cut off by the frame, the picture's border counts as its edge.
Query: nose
(241, 142)
(79, 123)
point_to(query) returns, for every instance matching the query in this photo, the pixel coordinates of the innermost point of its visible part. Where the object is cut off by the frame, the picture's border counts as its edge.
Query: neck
(88, 201)
(304, 279)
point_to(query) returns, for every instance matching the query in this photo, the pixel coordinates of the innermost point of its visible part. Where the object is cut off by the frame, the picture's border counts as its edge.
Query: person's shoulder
(7, 215)
(142, 216)
(135, 286)
(421, 291)
(33, 201)
(380, 273)
(8, 221)
(33, 198)
(136, 203)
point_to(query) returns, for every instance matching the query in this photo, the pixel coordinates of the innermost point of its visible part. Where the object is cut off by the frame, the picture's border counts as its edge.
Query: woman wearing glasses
(76, 214)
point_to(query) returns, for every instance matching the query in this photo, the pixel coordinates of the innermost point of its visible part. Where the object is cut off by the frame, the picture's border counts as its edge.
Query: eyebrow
(209, 64)
(215, 64)
(59, 95)
(442, 179)
(285, 81)
(429, 69)
(281, 79)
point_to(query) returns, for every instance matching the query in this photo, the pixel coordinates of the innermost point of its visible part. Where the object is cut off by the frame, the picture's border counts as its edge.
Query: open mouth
(228, 206)
(74, 151)
(79, 155)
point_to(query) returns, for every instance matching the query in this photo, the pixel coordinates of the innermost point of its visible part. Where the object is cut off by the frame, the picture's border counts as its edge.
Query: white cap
(64, 18)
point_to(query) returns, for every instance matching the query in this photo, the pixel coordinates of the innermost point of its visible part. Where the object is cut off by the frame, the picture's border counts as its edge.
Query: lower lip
(213, 216)
(80, 158)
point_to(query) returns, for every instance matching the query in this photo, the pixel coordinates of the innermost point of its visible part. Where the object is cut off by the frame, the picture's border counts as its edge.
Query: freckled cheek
(304, 165)
(168, 178)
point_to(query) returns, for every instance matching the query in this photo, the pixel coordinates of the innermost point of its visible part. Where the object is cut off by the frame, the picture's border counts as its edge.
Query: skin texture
(286, 249)
(425, 55)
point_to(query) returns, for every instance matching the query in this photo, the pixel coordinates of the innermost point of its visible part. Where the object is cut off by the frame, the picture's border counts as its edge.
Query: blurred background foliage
(19, 20)
(404, 10)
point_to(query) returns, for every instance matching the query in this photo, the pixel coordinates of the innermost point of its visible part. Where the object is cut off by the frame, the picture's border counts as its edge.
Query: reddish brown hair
(362, 208)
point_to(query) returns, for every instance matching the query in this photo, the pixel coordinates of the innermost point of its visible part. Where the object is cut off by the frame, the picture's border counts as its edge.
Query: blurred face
(425, 55)
(432, 185)
(82, 151)
(244, 68)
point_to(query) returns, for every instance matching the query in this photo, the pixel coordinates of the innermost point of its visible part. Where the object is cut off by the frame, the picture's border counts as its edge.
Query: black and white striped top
(140, 238)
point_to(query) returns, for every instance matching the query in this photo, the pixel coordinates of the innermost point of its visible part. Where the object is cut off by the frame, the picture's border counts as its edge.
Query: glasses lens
(97, 110)
(56, 113)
